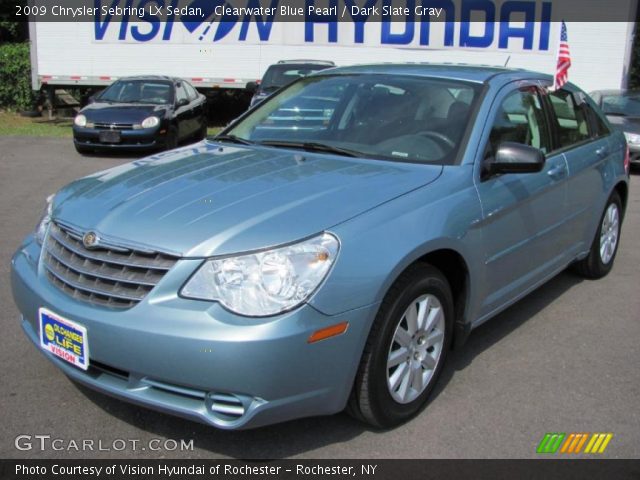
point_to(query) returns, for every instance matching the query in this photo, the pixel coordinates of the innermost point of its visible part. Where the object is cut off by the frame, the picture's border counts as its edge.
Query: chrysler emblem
(90, 239)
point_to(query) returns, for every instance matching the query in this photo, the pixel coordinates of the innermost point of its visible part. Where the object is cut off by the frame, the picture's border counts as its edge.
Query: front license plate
(109, 137)
(64, 338)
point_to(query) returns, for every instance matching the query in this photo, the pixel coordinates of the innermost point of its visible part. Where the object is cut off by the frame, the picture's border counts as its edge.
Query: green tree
(15, 76)
(13, 31)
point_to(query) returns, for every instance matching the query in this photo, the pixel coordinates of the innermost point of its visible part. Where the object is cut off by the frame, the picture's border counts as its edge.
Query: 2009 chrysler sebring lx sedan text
(312, 259)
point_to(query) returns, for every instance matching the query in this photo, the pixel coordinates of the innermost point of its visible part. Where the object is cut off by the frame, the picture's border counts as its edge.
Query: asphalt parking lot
(564, 359)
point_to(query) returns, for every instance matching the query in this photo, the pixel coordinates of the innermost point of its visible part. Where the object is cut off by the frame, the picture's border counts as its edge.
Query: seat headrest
(457, 110)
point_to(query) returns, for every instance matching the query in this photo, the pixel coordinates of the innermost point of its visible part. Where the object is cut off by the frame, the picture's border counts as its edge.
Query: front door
(522, 213)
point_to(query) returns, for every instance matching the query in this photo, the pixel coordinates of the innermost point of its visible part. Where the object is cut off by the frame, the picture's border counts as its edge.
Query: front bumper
(196, 360)
(148, 138)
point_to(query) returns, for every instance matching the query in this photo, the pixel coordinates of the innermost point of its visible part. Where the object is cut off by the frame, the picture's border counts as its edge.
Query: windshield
(369, 115)
(278, 76)
(627, 104)
(138, 91)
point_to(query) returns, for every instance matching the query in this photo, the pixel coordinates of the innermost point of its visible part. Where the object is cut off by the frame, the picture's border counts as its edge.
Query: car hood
(213, 199)
(625, 124)
(103, 112)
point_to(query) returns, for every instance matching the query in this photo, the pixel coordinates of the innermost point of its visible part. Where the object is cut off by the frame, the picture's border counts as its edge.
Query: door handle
(602, 152)
(557, 172)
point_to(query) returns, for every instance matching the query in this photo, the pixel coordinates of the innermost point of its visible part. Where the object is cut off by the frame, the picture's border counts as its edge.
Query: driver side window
(520, 119)
(181, 93)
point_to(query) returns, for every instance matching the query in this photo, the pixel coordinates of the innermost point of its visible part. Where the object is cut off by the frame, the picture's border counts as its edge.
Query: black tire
(371, 399)
(171, 141)
(82, 150)
(593, 266)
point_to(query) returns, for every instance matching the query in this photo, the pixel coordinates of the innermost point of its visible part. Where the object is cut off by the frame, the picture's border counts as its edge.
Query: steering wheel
(441, 137)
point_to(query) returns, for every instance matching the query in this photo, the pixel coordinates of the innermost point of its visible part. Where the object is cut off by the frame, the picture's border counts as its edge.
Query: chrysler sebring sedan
(136, 113)
(289, 268)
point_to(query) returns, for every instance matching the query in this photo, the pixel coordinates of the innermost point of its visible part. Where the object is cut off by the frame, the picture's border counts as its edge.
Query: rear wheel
(605, 244)
(406, 349)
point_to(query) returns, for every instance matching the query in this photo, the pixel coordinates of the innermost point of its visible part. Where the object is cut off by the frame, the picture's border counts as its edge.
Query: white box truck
(226, 52)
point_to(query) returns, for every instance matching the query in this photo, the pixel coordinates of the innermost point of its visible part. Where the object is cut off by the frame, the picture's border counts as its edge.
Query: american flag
(564, 59)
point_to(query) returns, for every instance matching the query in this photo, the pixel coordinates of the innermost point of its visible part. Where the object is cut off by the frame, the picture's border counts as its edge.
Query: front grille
(111, 277)
(113, 126)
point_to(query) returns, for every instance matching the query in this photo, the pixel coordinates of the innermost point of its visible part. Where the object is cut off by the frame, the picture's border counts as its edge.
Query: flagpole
(555, 66)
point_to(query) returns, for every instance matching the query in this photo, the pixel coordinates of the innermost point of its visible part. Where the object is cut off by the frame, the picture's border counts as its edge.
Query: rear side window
(598, 127)
(571, 119)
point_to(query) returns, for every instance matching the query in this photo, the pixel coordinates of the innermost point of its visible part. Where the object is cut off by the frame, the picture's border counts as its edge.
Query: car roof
(466, 72)
(153, 77)
(614, 91)
(287, 65)
(305, 61)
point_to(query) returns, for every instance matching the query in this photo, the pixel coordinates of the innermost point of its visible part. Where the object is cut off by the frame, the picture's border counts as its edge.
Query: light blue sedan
(328, 249)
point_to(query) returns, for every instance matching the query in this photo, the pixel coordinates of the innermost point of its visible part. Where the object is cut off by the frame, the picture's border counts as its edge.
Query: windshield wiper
(233, 139)
(312, 147)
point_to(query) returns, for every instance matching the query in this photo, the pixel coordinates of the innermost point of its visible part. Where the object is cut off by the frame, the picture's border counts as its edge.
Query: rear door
(583, 139)
(197, 104)
(523, 213)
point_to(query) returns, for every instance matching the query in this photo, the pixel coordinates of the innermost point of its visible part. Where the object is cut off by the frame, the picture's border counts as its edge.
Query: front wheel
(605, 244)
(406, 349)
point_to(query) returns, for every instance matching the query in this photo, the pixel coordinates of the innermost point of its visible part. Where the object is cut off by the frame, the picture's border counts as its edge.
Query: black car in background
(146, 112)
(622, 108)
(282, 74)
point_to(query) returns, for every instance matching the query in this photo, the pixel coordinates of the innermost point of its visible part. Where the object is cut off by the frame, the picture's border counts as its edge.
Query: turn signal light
(627, 161)
(328, 332)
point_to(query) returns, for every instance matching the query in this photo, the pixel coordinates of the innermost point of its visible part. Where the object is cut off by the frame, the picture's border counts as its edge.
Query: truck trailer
(223, 50)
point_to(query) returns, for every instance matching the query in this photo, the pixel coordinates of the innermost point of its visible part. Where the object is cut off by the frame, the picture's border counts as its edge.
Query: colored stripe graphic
(598, 442)
(551, 442)
(573, 442)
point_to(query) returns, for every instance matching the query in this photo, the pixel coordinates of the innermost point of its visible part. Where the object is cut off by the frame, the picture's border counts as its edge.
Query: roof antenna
(507, 62)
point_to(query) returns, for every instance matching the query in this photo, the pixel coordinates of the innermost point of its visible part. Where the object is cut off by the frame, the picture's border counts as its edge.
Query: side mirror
(182, 102)
(91, 99)
(516, 158)
(251, 87)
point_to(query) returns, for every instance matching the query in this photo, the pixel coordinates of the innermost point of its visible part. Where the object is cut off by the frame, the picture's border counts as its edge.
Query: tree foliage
(15, 76)
(13, 31)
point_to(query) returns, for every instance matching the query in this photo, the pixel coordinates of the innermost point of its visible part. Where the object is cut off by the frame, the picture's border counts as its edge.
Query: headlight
(632, 137)
(45, 220)
(265, 283)
(150, 122)
(80, 120)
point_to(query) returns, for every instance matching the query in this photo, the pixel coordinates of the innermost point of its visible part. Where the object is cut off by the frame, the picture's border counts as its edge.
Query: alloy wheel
(415, 349)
